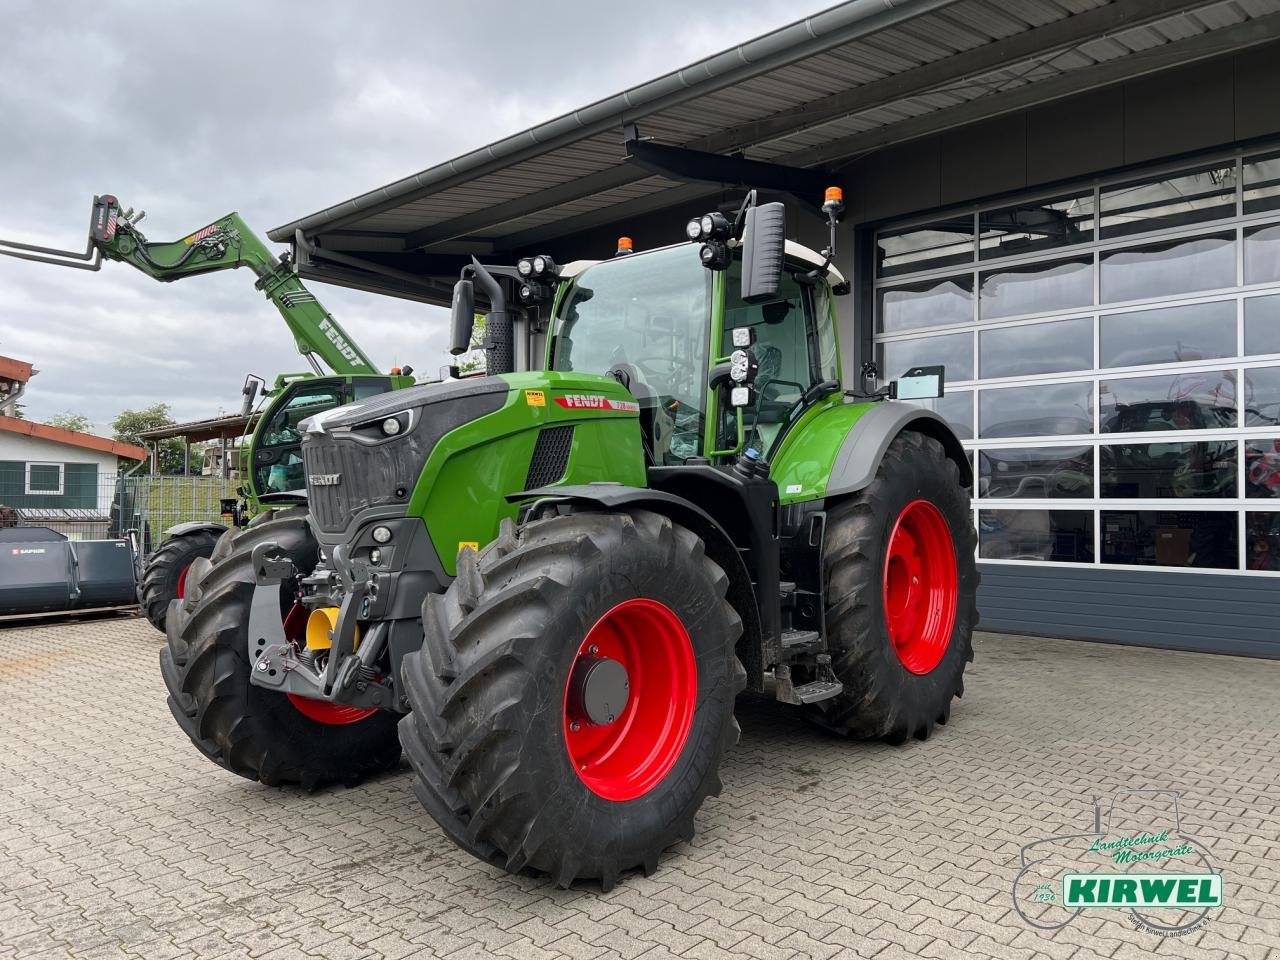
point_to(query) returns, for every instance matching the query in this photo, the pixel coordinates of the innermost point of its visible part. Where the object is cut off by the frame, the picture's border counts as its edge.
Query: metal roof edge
(821, 31)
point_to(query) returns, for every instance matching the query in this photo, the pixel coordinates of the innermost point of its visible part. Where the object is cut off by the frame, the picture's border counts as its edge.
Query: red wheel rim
(182, 581)
(321, 711)
(630, 756)
(921, 586)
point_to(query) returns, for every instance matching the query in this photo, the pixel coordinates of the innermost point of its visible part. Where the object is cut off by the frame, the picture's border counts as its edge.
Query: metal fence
(121, 504)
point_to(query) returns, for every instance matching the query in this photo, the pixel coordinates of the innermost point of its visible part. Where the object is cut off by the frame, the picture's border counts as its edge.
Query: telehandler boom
(271, 460)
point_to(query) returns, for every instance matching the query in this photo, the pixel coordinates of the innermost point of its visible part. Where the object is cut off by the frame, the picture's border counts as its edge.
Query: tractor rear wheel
(164, 578)
(574, 694)
(901, 586)
(254, 732)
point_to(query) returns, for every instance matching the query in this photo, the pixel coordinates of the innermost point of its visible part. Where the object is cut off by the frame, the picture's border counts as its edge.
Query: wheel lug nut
(575, 726)
(594, 650)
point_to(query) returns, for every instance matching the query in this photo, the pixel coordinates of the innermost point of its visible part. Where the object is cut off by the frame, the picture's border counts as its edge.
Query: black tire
(164, 569)
(882, 698)
(254, 732)
(486, 733)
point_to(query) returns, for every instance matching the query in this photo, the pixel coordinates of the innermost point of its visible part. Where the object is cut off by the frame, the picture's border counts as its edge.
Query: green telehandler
(549, 586)
(271, 462)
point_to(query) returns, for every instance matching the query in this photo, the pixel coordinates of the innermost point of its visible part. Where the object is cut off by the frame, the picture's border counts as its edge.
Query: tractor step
(817, 690)
(799, 638)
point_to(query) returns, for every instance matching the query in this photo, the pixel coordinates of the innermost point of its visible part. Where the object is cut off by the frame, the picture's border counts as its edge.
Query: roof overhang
(73, 438)
(785, 111)
(226, 427)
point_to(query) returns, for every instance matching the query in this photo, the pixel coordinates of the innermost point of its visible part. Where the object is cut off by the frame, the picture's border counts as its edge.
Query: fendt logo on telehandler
(324, 479)
(339, 341)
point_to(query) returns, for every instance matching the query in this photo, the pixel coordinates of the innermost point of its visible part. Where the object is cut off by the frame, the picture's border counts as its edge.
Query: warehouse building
(1072, 204)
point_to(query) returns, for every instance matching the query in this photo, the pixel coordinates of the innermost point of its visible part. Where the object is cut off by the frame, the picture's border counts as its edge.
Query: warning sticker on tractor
(591, 401)
(535, 398)
(468, 545)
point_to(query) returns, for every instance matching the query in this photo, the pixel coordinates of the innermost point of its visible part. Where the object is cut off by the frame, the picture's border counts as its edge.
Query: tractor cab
(670, 330)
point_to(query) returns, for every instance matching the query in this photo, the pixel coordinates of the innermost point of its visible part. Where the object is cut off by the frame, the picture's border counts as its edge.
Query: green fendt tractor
(271, 463)
(550, 586)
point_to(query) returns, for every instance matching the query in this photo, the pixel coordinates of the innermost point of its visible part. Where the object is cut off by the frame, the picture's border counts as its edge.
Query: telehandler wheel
(164, 578)
(255, 732)
(901, 586)
(574, 694)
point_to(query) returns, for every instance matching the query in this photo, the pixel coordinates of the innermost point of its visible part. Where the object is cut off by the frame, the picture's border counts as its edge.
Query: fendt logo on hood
(324, 479)
(591, 401)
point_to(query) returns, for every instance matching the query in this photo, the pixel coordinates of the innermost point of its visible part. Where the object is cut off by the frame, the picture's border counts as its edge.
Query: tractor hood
(370, 454)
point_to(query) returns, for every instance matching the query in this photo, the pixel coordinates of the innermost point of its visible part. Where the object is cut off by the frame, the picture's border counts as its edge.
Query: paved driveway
(117, 839)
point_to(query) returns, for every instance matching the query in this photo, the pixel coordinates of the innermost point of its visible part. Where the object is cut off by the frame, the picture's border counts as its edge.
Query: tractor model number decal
(200, 234)
(328, 328)
(588, 401)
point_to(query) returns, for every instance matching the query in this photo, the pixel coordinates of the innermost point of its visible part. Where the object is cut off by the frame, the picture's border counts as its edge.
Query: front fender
(837, 446)
(195, 526)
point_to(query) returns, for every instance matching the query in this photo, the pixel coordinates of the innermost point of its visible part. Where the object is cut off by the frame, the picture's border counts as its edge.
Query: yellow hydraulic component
(320, 627)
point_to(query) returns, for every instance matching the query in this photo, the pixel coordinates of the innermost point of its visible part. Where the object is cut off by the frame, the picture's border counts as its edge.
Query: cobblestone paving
(118, 839)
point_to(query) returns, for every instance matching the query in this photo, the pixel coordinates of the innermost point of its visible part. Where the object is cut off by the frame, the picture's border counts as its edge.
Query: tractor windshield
(644, 318)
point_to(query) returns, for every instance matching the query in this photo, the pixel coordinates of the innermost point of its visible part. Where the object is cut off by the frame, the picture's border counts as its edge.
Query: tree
(66, 420)
(473, 360)
(128, 426)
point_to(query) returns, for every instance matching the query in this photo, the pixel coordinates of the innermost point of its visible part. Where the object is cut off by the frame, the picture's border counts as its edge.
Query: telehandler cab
(555, 583)
(272, 462)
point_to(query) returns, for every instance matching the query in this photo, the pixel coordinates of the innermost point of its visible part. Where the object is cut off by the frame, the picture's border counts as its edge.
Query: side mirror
(252, 384)
(764, 238)
(463, 317)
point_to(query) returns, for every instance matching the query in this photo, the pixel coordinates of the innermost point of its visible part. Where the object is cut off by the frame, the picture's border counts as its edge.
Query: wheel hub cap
(921, 586)
(598, 690)
(629, 699)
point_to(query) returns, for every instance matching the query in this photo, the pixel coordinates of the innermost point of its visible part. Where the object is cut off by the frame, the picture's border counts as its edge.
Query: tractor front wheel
(574, 694)
(901, 586)
(258, 733)
(164, 578)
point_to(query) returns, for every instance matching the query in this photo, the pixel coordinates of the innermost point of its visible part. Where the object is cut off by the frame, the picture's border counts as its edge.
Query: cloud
(276, 111)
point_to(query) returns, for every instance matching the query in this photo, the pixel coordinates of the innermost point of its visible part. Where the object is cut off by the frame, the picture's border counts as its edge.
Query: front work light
(390, 426)
(382, 534)
(744, 337)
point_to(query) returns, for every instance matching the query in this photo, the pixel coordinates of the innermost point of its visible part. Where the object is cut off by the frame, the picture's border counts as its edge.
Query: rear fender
(719, 545)
(836, 447)
(867, 440)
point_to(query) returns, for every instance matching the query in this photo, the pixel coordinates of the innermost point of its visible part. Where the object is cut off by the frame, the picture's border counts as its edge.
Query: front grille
(550, 457)
(366, 476)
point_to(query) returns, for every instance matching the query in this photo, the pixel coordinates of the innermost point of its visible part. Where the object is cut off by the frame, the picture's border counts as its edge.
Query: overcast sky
(275, 110)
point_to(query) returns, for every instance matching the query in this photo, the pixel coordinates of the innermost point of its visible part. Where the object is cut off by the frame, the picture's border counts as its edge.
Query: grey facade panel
(1257, 92)
(972, 169)
(1055, 148)
(1182, 611)
(1179, 111)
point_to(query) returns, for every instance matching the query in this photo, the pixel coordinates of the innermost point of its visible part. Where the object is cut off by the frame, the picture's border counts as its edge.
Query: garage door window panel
(932, 247)
(1195, 400)
(1262, 325)
(1035, 288)
(1036, 226)
(1199, 331)
(1262, 469)
(929, 303)
(1165, 203)
(954, 351)
(1061, 536)
(1169, 267)
(1028, 349)
(1262, 541)
(1036, 473)
(1262, 254)
(1262, 397)
(1052, 409)
(1262, 183)
(1159, 471)
(1206, 539)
